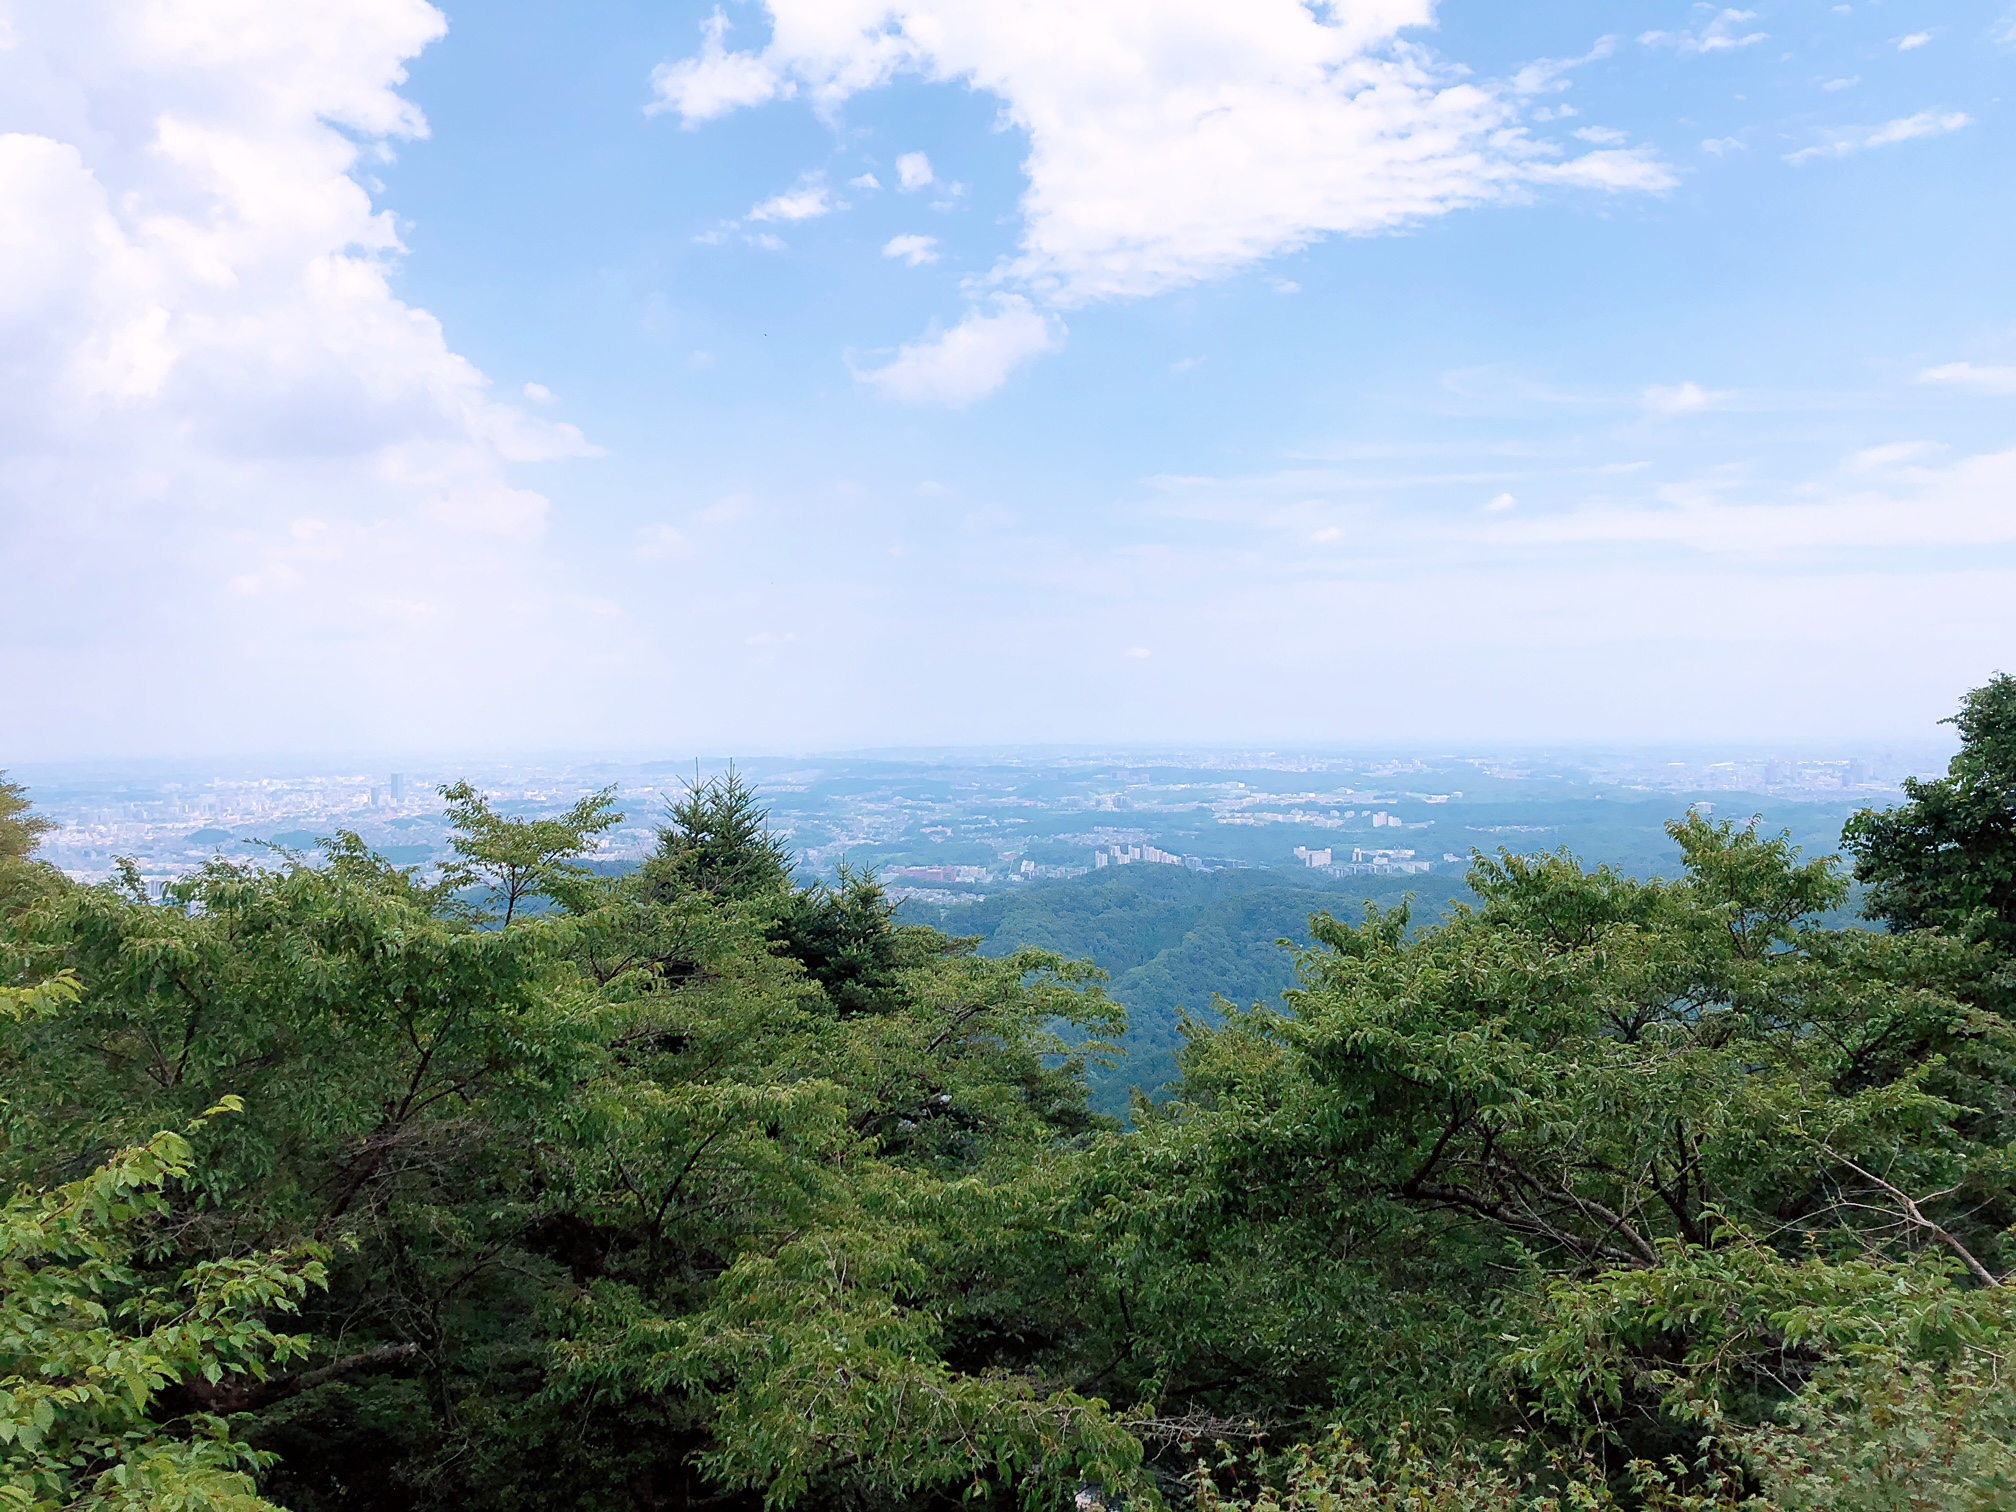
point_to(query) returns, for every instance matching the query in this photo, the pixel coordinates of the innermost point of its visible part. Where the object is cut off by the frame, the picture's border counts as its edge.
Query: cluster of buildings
(1365, 863)
(1128, 855)
(939, 873)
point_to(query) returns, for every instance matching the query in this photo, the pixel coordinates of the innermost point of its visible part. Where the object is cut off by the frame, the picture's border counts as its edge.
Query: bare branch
(1918, 1218)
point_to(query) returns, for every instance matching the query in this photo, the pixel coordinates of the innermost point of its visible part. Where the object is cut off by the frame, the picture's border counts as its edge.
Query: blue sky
(965, 372)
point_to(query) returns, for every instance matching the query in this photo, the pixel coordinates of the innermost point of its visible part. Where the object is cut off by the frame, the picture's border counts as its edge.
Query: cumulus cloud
(1926, 123)
(1177, 144)
(914, 250)
(715, 81)
(1982, 380)
(1913, 42)
(913, 171)
(971, 360)
(208, 390)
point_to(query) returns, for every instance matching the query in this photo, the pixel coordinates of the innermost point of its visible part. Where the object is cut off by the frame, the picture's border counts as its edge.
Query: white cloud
(1503, 502)
(1876, 459)
(915, 250)
(1913, 42)
(1910, 128)
(808, 199)
(971, 360)
(1548, 75)
(1685, 399)
(1834, 86)
(1183, 141)
(715, 82)
(913, 171)
(1965, 504)
(209, 394)
(865, 181)
(1723, 33)
(1723, 146)
(1614, 168)
(663, 543)
(538, 393)
(1984, 380)
(1926, 123)
(1602, 136)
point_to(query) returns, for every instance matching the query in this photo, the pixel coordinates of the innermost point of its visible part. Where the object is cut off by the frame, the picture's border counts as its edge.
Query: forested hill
(1175, 940)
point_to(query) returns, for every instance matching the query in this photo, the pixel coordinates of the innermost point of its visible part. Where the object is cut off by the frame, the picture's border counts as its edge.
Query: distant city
(947, 826)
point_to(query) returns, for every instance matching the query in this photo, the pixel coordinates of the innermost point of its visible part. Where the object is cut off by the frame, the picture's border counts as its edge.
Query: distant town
(948, 826)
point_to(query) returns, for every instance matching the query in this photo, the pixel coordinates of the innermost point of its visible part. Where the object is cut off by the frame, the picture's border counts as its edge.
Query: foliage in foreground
(92, 1350)
(698, 1188)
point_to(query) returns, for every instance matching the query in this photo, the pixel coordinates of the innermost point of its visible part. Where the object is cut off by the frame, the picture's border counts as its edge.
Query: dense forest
(1172, 942)
(520, 1186)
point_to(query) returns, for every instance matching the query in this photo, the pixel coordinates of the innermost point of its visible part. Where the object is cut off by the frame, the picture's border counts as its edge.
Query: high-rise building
(398, 787)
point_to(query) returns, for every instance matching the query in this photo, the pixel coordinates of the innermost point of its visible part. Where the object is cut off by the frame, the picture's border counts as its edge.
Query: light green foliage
(1340, 1475)
(519, 859)
(1890, 1377)
(88, 1344)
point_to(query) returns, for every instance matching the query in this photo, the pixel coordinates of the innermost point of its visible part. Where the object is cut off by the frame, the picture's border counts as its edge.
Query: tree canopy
(532, 1184)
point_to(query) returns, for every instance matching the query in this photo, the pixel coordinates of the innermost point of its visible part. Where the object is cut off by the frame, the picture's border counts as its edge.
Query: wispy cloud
(971, 360)
(1548, 75)
(1725, 32)
(1983, 380)
(1680, 399)
(1913, 42)
(1927, 123)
